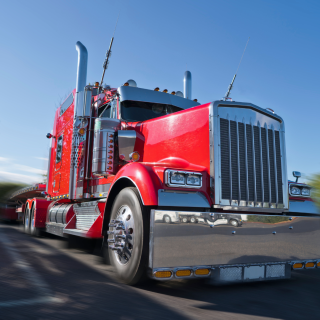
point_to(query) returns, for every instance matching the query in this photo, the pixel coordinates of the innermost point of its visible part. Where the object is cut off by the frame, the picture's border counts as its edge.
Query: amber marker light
(309, 265)
(183, 273)
(202, 272)
(126, 84)
(156, 89)
(165, 91)
(173, 92)
(298, 265)
(96, 84)
(82, 131)
(195, 100)
(163, 274)
(318, 264)
(134, 156)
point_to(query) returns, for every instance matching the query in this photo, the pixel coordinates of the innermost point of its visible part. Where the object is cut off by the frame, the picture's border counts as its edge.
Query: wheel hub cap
(121, 235)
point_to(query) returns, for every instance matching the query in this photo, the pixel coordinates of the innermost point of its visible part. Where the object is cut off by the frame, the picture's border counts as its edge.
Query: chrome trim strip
(125, 177)
(275, 165)
(261, 165)
(246, 160)
(268, 164)
(254, 165)
(239, 185)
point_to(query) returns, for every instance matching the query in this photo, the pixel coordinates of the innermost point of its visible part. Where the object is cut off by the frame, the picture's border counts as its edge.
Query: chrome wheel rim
(32, 223)
(26, 222)
(234, 223)
(121, 237)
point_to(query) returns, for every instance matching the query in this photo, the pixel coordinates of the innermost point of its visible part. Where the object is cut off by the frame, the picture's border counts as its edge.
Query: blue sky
(155, 42)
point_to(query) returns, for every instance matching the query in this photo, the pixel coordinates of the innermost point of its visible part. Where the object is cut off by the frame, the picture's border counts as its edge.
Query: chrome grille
(251, 173)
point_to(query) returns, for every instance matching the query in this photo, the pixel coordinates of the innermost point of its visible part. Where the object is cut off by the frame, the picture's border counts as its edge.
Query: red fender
(40, 212)
(145, 179)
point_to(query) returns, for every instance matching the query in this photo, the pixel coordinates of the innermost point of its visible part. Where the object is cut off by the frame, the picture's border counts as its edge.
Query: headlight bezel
(169, 183)
(300, 187)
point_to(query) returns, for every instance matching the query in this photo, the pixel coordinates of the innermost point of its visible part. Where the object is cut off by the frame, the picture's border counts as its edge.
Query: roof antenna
(108, 53)
(234, 77)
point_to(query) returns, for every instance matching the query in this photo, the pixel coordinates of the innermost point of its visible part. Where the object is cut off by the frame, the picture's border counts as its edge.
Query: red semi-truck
(130, 166)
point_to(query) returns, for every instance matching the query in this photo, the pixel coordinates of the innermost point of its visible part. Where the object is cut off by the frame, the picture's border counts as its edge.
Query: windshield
(141, 111)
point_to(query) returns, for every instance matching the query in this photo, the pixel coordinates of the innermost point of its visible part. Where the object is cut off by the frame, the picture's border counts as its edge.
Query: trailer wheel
(27, 220)
(33, 230)
(167, 219)
(193, 220)
(184, 219)
(128, 237)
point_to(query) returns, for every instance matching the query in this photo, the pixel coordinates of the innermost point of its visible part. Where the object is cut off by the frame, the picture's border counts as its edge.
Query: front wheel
(128, 237)
(234, 223)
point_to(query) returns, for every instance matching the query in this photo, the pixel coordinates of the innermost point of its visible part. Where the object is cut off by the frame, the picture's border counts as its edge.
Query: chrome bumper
(261, 240)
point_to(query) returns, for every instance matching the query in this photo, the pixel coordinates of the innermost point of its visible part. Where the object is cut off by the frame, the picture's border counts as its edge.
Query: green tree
(7, 188)
(315, 184)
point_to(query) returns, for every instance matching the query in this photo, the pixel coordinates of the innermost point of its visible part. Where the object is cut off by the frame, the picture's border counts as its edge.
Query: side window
(66, 104)
(104, 112)
(59, 149)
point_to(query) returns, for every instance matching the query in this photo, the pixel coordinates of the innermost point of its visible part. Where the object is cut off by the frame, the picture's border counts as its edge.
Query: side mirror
(296, 174)
(49, 136)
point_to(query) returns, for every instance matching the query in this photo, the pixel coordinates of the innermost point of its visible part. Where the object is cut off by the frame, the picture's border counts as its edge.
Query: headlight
(295, 190)
(193, 180)
(305, 191)
(178, 178)
(183, 179)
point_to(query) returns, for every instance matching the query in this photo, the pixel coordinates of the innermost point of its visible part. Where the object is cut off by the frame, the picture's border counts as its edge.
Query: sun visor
(139, 94)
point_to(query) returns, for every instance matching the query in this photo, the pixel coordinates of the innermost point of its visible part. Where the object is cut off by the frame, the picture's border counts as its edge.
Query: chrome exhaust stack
(187, 85)
(82, 66)
(78, 111)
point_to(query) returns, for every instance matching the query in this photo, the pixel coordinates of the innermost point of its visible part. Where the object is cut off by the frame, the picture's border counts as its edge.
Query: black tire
(135, 269)
(193, 220)
(234, 223)
(185, 220)
(166, 219)
(35, 232)
(26, 220)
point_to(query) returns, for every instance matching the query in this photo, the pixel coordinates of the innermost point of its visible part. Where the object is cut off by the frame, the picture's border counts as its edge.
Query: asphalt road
(40, 278)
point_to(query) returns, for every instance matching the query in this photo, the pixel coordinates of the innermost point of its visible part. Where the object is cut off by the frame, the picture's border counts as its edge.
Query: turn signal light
(309, 265)
(183, 273)
(163, 274)
(81, 131)
(298, 266)
(201, 272)
(134, 156)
